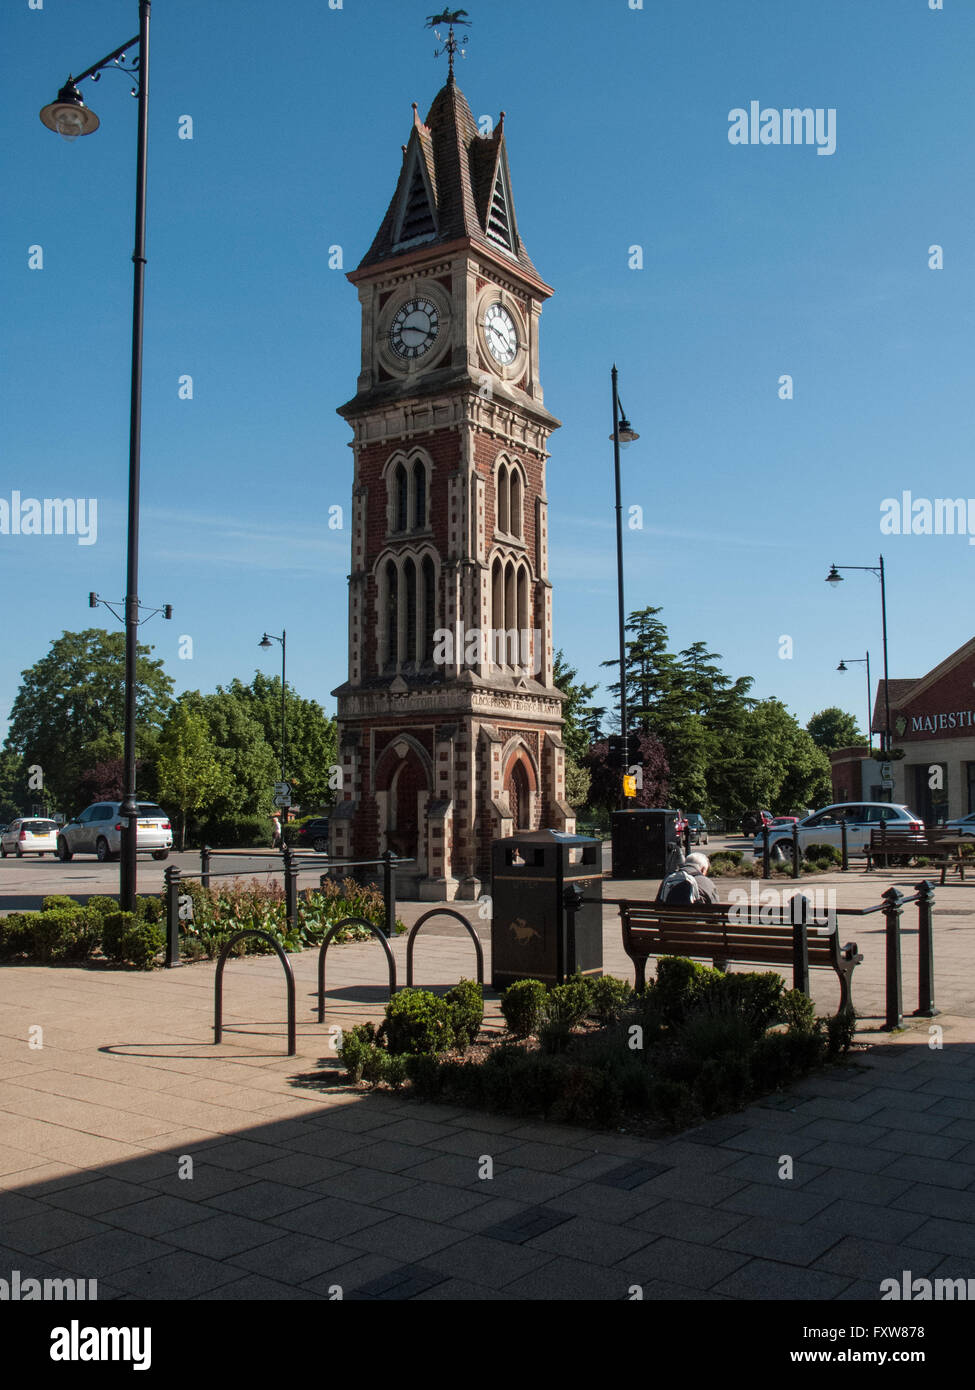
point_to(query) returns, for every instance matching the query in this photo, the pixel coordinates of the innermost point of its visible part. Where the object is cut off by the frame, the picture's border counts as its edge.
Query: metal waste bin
(645, 844)
(533, 937)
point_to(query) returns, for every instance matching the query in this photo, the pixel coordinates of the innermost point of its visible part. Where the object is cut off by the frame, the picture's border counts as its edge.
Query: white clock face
(414, 330)
(500, 334)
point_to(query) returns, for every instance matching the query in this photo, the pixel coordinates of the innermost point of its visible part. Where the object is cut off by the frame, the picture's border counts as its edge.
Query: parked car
(29, 835)
(314, 836)
(752, 821)
(825, 827)
(787, 821)
(98, 831)
(962, 825)
(698, 828)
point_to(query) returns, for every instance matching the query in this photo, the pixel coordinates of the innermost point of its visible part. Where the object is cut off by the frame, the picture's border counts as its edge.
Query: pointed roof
(454, 185)
(903, 693)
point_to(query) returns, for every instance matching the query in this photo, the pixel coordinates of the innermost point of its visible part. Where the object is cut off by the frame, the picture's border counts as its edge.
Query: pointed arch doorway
(518, 787)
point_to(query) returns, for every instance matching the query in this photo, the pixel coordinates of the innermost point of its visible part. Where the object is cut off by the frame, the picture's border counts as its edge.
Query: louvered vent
(499, 221)
(417, 220)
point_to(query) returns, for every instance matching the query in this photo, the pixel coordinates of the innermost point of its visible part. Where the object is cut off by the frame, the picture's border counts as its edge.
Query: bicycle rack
(218, 986)
(352, 922)
(442, 912)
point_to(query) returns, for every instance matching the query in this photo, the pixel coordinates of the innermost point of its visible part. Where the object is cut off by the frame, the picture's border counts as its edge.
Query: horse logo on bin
(523, 933)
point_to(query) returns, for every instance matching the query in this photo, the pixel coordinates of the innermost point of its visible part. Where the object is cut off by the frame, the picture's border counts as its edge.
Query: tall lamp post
(69, 117)
(858, 661)
(834, 577)
(623, 435)
(265, 642)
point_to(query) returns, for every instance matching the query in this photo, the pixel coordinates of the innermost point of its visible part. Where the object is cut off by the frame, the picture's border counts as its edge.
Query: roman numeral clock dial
(500, 335)
(414, 329)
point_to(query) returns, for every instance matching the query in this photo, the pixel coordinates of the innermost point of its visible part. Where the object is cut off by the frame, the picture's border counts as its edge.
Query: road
(25, 882)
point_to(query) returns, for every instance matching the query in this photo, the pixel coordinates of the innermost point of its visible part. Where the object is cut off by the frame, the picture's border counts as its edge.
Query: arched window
(503, 496)
(419, 495)
(391, 635)
(429, 608)
(515, 509)
(409, 581)
(402, 491)
(524, 626)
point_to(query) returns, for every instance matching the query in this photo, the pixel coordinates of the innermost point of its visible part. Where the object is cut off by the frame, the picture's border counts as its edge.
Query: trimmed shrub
(679, 984)
(554, 1036)
(780, 1058)
(755, 997)
(17, 934)
(522, 1005)
(587, 1095)
(840, 1029)
(823, 854)
(417, 1021)
(114, 926)
(356, 1045)
(126, 937)
(425, 1074)
(150, 909)
(466, 1003)
(609, 999)
(102, 904)
(797, 1011)
(65, 934)
(722, 1084)
(55, 902)
(568, 1003)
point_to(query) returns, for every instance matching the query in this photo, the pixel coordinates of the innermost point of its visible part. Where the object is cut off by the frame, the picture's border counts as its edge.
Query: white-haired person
(689, 883)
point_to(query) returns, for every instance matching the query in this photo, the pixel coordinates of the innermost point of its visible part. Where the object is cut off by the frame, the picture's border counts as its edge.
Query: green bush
(150, 909)
(55, 902)
(722, 1083)
(587, 1095)
(725, 858)
(65, 934)
(823, 854)
(102, 904)
(466, 1003)
(114, 927)
(780, 1058)
(554, 1036)
(679, 984)
(797, 1011)
(840, 1029)
(522, 1005)
(355, 1048)
(754, 996)
(417, 1021)
(609, 999)
(424, 1072)
(17, 934)
(568, 1003)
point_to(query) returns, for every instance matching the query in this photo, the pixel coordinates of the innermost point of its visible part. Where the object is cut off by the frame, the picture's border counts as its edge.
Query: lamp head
(69, 117)
(842, 666)
(834, 576)
(265, 642)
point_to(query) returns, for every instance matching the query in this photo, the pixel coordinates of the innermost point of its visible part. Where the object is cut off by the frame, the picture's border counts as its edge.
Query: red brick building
(449, 722)
(932, 720)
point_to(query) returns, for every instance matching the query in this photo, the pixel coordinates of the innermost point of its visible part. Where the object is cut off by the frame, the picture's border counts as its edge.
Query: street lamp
(623, 435)
(858, 661)
(69, 117)
(265, 642)
(834, 577)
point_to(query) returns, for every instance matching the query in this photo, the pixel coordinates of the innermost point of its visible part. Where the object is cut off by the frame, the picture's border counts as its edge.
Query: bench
(723, 932)
(943, 846)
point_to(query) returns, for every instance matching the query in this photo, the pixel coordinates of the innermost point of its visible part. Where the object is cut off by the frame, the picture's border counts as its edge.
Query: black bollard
(172, 915)
(893, 899)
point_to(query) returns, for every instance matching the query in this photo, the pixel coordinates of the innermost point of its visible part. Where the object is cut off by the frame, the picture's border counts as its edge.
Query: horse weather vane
(450, 44)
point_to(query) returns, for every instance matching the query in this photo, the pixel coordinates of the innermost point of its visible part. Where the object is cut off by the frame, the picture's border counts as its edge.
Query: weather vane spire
(450, 44)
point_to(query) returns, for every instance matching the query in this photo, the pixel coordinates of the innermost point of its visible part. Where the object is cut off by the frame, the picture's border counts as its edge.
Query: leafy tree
(578, 782)
(834, 728)
(14, 795)
(311, 736)
(576, 710)
(73, 700)
(242, 808)
(605, 773)
(190, 774)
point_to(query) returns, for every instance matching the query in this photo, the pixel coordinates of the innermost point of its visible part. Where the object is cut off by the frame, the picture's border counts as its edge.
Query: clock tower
(449, 722)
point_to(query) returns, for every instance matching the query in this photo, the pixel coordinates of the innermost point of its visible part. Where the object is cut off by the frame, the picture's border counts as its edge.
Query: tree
(14, 795)
(311, 736)
(190, 774)
(577, 713)
(834, 728)
(605, 771)
(242, 809)
(71, 706)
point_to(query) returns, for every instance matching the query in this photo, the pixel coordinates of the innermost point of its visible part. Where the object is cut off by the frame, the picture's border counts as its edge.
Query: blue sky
(758, 261)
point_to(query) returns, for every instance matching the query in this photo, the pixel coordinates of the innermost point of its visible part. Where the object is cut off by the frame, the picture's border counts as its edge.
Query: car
(313, 835)
(787, 821)
(698, 829)
(825, 827)
(29, 835)
(962, 825)
(98, 830)
(752, 822)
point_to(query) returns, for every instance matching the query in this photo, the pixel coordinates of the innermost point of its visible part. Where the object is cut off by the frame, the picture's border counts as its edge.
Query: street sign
(282, 799)
(629, 785)
(281, 789)
(886, 772)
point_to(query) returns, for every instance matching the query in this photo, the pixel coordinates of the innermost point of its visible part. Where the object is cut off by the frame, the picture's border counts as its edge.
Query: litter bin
(645, 844)
(533, 937)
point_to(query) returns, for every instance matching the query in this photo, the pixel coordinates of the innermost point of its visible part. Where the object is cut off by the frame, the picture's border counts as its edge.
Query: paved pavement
(134, 1152)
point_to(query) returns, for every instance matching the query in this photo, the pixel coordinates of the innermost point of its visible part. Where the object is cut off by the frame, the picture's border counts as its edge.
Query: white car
(29, 835)
(98, 830)
(962, 825)
(825, 827)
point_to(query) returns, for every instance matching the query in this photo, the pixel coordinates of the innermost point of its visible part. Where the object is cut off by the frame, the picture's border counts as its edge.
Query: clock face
(414, 329)
(500, 334)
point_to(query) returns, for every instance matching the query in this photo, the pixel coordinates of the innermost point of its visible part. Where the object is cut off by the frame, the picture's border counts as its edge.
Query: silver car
(98, 831)
(825, 827)
(28, 835)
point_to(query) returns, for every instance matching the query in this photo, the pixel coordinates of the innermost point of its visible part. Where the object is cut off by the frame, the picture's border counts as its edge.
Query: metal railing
(218, 986)
(351, 922)
(443, 912)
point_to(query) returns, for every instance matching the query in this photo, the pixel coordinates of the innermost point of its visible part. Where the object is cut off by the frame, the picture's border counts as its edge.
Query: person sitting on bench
(688, 884)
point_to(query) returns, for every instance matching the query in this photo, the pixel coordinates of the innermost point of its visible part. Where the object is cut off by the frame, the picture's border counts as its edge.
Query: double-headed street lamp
(265, 642)
(69, 117)
(834, 577)
(623, 435)
(858, 661)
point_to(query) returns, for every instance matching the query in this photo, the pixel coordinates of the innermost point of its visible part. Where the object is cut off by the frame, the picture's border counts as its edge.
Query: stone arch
(408, 477)
(404, 782)
(520, 782)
